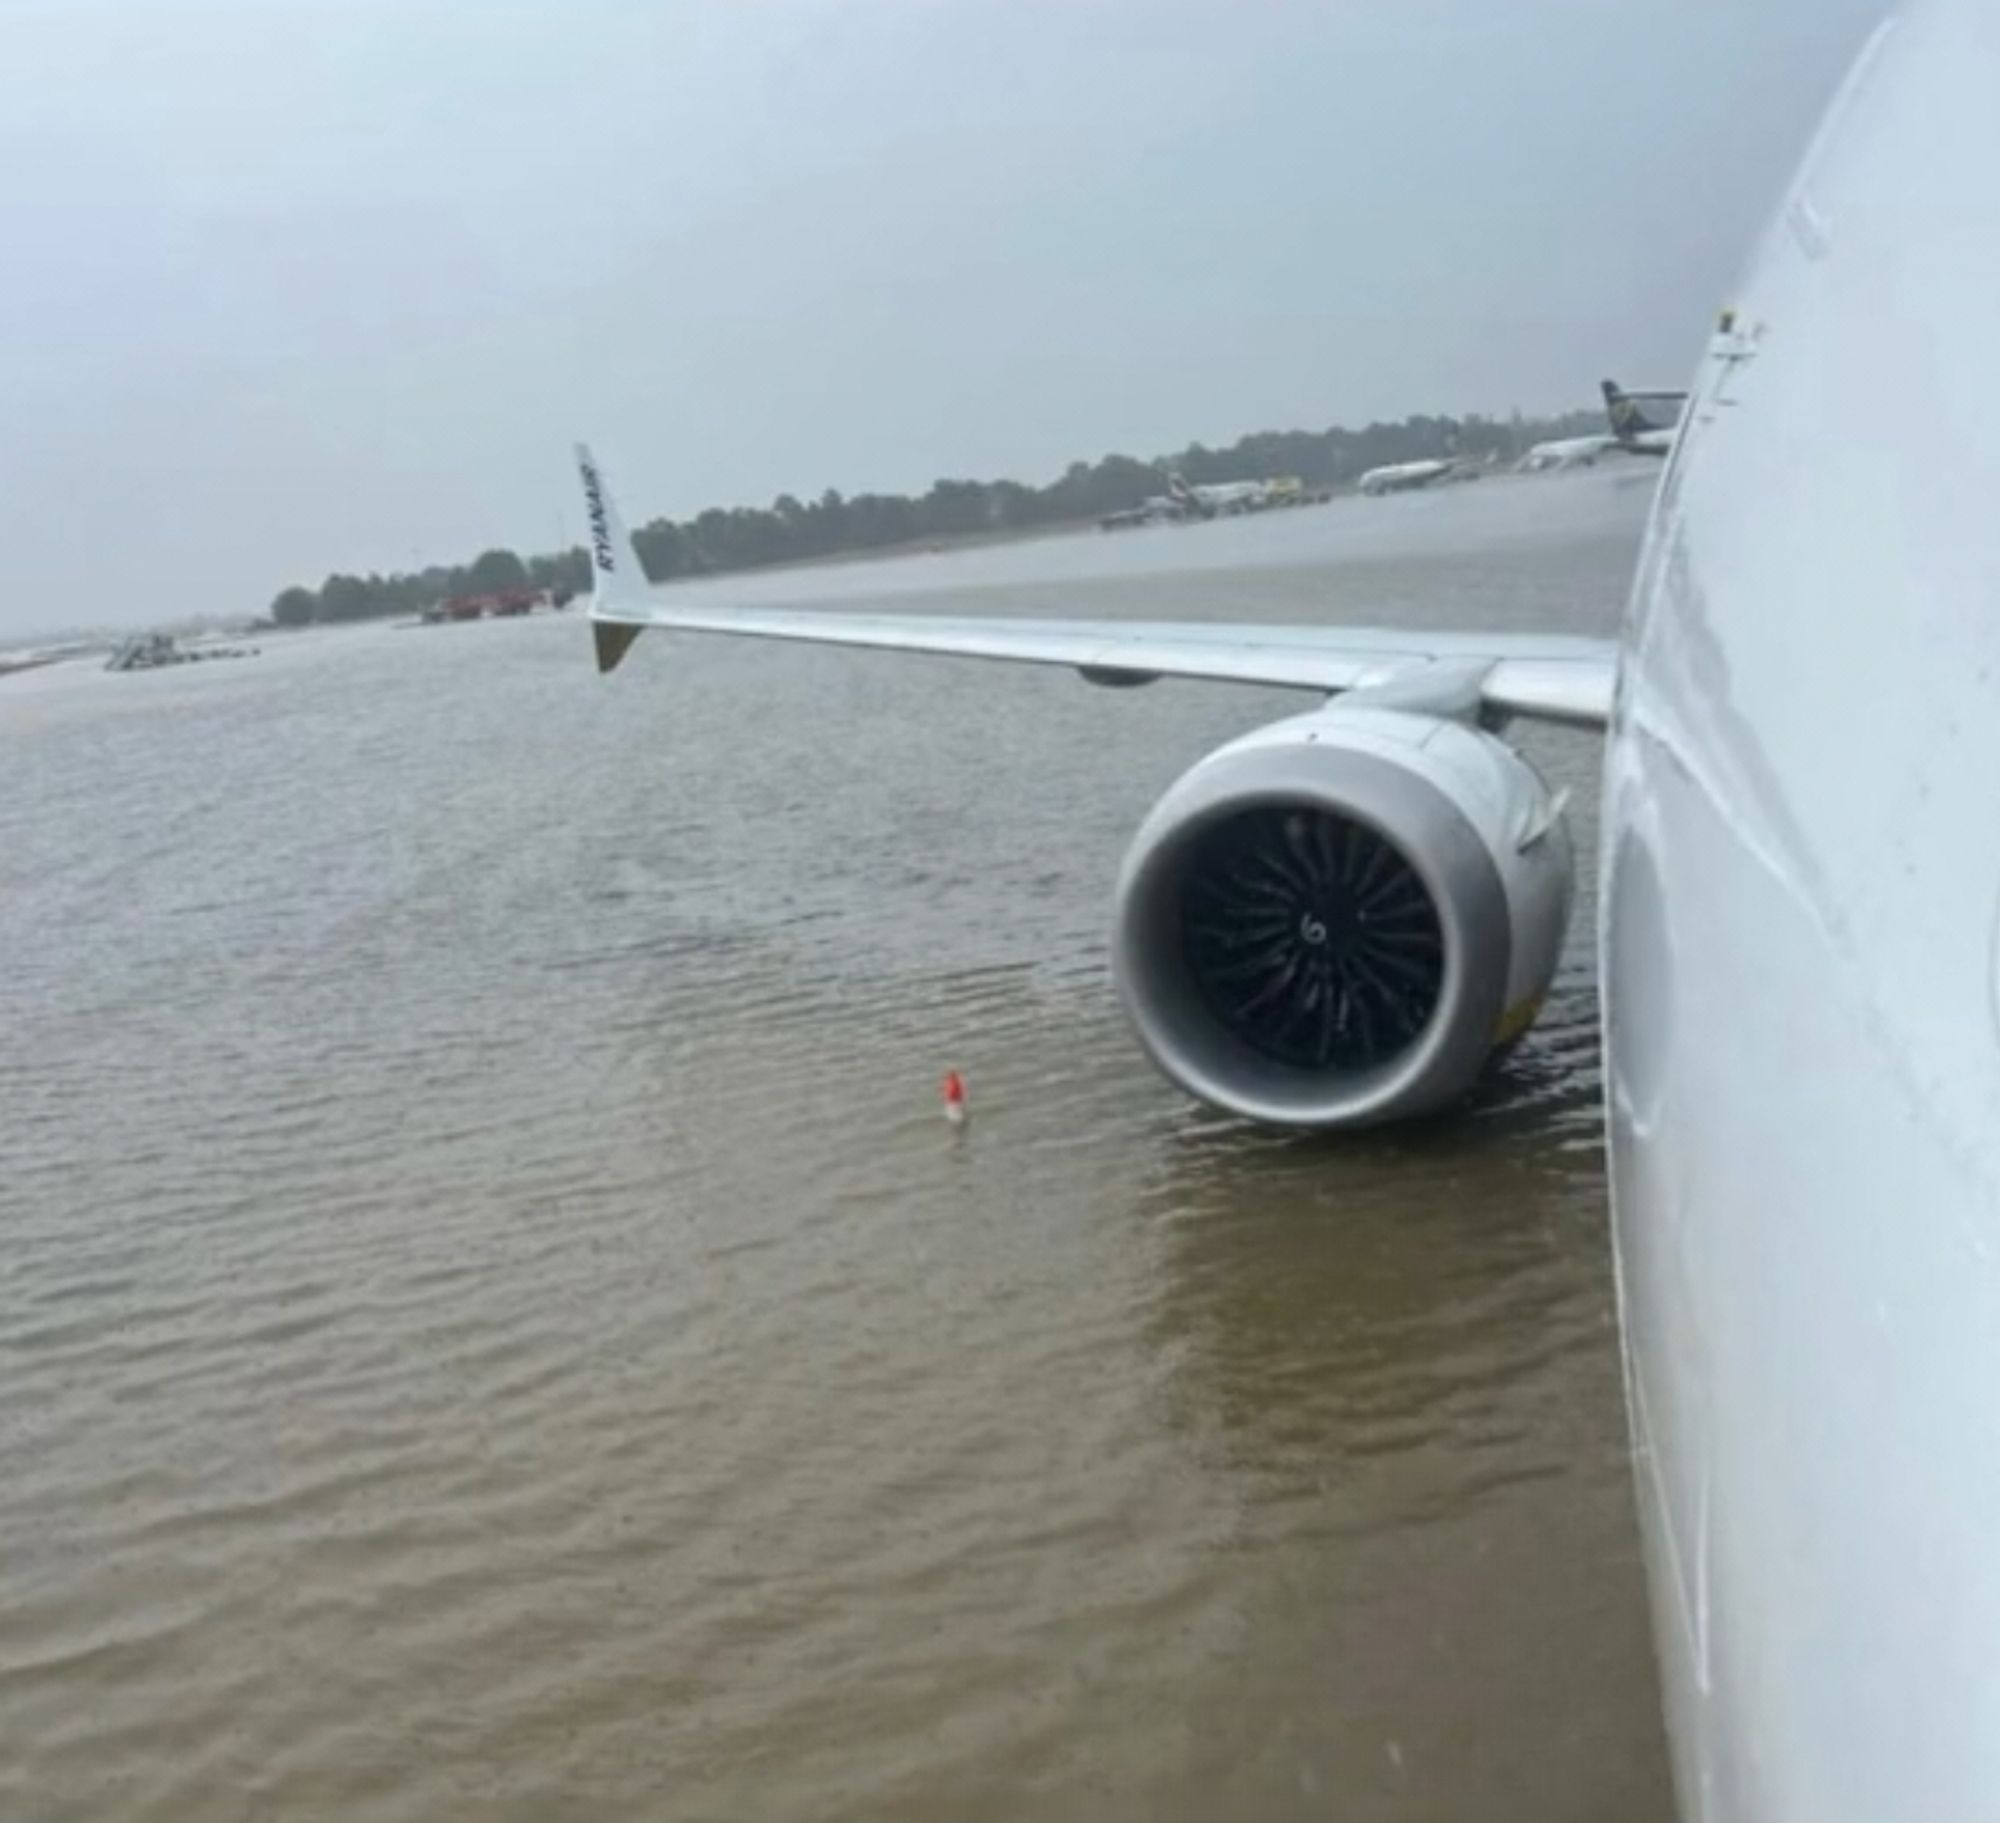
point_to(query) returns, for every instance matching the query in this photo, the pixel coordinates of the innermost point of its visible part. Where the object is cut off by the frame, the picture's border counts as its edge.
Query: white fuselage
(1395, 476)
(1566, 452)
(1211, 497)
(1800, 904)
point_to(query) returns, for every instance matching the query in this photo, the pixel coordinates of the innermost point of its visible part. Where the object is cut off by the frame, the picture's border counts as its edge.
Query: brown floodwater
(494, 1325)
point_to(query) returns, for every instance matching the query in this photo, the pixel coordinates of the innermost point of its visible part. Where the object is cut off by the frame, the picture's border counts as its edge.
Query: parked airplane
(1642, 424)
(1394, 477)
(1210, 499)
(1335, 919)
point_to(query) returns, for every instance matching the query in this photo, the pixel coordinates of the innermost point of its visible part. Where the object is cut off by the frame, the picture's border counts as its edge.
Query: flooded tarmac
(495, 1324)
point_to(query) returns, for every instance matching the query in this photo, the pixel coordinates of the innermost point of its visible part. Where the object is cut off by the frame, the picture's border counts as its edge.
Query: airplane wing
(1547, 676)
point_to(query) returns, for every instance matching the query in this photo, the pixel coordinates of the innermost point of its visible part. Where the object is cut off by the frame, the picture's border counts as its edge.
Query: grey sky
(297, 286)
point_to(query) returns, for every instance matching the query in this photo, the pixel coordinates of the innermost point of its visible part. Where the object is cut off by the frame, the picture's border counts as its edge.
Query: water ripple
(495, 1325)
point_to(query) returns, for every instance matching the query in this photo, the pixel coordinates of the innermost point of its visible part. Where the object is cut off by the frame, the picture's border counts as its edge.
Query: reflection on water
(495, 1325)
(1401, 1354)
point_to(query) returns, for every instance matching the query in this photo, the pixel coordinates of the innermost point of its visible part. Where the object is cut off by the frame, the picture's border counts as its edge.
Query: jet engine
(1338, 919)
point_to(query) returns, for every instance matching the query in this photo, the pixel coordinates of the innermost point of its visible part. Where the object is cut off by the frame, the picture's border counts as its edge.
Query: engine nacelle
(1338, 919)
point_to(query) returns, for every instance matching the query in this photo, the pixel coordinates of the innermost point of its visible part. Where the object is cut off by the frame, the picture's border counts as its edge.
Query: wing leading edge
(1547, 676)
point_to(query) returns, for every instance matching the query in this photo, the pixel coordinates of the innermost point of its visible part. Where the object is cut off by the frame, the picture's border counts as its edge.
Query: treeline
(790, 530)
(342, 597)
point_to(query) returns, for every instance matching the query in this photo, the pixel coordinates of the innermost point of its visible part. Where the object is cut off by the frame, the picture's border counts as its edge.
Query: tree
(665, 551)
(563, 573)
(954, 508)
(496, 572)
(1011, 504)
(295, 607)
(345, 598)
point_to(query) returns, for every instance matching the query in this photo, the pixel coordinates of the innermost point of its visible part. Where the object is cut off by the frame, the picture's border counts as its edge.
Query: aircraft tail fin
(1632, 414)
(1626, 418)
(618, 579)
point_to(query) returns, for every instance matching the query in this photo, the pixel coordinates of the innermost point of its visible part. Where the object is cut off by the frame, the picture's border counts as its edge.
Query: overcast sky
(296, 286)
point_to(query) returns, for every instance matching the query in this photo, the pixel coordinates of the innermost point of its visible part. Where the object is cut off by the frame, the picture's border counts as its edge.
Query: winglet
(614, 640)
(618, 580)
